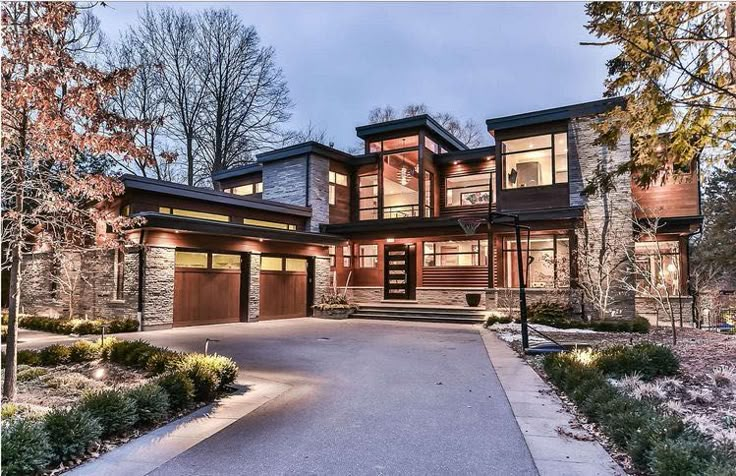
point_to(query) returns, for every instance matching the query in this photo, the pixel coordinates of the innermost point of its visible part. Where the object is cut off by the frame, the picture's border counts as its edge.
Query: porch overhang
(163, 221)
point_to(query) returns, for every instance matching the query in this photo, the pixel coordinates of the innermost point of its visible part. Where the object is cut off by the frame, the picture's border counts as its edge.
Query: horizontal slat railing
(455, 276)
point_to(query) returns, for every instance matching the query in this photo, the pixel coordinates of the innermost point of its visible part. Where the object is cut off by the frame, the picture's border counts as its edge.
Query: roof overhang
(416, 122)
(305, 148)
(195, 225)
(133, 182)
(237, 171)
(463, 156)
(591, 108)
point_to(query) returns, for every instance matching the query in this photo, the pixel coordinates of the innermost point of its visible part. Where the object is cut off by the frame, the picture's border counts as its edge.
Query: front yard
(77, 401)
(700, 393)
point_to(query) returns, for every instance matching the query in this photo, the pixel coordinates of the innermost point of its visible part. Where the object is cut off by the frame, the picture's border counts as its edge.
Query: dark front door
(399, 270)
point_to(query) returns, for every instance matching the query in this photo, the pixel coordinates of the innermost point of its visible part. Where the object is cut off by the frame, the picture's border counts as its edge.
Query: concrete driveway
(366, 397)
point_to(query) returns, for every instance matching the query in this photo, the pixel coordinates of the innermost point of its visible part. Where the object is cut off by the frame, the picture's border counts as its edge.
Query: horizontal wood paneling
(678, 197)
(533, 198)
(455, 276)
(283, 294)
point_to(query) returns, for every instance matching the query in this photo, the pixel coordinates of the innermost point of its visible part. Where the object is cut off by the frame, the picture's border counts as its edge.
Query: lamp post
(522, 282)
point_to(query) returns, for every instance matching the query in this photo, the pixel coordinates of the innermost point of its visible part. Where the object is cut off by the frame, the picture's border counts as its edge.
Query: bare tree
(144, 100)
(704, 280)
(246, 98)
(171, 37)
(468, 131)
(310, 133)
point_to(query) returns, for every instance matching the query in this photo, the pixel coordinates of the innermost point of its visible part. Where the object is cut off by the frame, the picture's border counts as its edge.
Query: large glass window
(394, 144)
(456, 253)
(368, 197)
(431, 145)
(547, 262)
(367, 256)
(658, 266)
(535, 161)
(336, 178)
(401, 185)
(468, 190)
(428, 193)
(347, 256)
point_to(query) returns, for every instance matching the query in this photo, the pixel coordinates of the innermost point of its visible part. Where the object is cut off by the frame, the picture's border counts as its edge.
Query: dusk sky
(475, 60)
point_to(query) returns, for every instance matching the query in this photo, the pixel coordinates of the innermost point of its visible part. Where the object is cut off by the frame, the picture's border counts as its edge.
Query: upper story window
(394, 144)
(368, 197)
(194, 214)
(247, 189)
(401, 184)
(269, 224)
(469, 190)
(431, 145)
(336, 178)
(534, 161)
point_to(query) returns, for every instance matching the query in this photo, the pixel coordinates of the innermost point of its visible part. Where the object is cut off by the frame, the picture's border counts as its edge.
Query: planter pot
(333, 313)
(473, 299)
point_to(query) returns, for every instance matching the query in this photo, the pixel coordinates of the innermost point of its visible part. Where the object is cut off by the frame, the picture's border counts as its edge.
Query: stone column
(158, 288)
(321, 277)
(254, 287)
(319, 190)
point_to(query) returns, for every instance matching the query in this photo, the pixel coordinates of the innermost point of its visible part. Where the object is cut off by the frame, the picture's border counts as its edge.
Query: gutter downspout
(141, 264)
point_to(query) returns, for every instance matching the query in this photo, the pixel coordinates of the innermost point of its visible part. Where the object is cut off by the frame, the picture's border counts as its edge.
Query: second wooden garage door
(283, 287)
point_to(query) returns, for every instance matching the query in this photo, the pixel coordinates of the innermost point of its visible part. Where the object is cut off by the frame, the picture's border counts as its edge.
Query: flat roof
(237, 171)
(469, 155)
(197, 225)
(590, 108)
(304, 148)
(134, 182)
(421, 121)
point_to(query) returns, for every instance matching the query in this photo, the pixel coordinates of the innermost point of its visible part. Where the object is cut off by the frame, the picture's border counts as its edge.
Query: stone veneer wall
(322, 277)
(505, 300)
(448, 296)
(89, 276)
(284, 180)
(681, 308)
(254, 287)
(606, 215)
(158, 288)
(367, 294)
(319, 191)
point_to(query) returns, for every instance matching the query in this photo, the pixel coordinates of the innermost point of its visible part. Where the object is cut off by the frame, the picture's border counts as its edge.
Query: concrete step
(418, 317)
(413, 312)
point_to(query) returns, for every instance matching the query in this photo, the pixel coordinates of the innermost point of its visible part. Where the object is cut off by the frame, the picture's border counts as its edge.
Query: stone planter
(333, 313)
(473, 299)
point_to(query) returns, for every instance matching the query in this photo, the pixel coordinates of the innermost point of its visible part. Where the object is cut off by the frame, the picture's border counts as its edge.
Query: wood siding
(677, 197)
(455, 276)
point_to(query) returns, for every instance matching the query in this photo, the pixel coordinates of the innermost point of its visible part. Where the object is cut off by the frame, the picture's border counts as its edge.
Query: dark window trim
(360, 256)
(378, 192)
(491, 178)
(555, 272)
(434, 253)
(552, 134)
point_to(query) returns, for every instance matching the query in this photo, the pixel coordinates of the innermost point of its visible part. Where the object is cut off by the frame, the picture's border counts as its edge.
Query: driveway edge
(145, 454)
(544, 421)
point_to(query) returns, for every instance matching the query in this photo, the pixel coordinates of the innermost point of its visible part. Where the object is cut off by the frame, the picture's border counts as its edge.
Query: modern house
(281, 231)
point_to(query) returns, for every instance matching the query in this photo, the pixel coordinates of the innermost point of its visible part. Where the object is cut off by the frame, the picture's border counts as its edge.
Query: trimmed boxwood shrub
(151, 402)
(180, 389)
(684, 456)
(28, 357)
(56, 354)
(224, 368)
(205, 379)
(548, 313)
(77, 326)
(84, 351)
(645, 358)
(114, 409)
(70, 432)
(25, 447)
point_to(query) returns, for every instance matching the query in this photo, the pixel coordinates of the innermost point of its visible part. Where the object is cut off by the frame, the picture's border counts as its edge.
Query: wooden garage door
(283, 287)
(206, 288)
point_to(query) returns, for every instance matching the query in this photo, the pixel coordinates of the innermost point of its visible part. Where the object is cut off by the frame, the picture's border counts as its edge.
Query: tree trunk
(190, 161)
(11, 350)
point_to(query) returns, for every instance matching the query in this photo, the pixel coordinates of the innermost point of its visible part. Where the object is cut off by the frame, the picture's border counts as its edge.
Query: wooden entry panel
(283, 294)
(399, 271)
(205, 296)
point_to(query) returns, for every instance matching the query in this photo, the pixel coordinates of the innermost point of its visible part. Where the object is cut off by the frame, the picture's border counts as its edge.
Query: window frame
(482, 263)
(551, 148)
(555, 272)
(347, 258)
(186, 214)
(274, 225)
(651, 259)
(361, 256)
(376, 208)
(491, 188)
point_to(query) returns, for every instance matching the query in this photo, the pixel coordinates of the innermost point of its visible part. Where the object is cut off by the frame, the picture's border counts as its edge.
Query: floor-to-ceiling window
(658, 267)
(547, 262)
(400, 158)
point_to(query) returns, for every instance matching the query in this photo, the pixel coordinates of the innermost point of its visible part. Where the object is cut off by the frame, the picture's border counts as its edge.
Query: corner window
(368, 197)
(428, 194)
(441, 254)
(401, 143)
(547, 262)
(431, 145)
(658, 267)
(247, 189)
(367, 256)
(401, 184)
(468, 190)
(534, 161)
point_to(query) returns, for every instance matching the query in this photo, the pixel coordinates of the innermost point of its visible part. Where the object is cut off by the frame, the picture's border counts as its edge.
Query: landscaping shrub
(162, 360)
(28, 357)
(179, 388)
(30, 373)
(223, 367)
(114, 409)
(496, 318)
(548, 313)
(131, 353)
(685, 456)
(647, 359)
(56, 354)
(24, 447)
(8, 410)
(77, 326)
(70, 432)
(638, 325)
(84, 351)
(151, 402)
(205, 379)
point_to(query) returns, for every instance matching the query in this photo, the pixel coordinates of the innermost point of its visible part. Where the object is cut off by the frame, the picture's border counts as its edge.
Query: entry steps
(415, 312)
